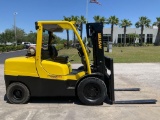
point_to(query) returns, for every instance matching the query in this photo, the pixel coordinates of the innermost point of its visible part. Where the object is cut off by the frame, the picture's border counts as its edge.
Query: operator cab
(50, 54)
(52, 32)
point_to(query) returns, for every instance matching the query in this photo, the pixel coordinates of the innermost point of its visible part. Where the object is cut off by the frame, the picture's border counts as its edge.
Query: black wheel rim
(92, 91)
(18, 94)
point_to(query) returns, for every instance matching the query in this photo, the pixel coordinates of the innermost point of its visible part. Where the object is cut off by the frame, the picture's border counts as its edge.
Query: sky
(30, 11)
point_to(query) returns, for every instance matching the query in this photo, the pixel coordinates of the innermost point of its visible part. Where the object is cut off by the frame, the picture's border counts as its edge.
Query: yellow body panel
(55, 68)
(20, 66)
(25, 66)
(58, 71)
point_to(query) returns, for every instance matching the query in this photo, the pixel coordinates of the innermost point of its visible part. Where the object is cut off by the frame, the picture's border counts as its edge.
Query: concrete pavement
(145, 76)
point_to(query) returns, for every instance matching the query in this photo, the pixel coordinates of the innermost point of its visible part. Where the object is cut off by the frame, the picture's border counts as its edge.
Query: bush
(2, 49)
(19, 47)
(59, 46)
(157, 43)
(10, 48)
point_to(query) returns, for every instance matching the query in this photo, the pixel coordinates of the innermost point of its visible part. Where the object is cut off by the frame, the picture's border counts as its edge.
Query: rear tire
(92, 91)
(17, 93)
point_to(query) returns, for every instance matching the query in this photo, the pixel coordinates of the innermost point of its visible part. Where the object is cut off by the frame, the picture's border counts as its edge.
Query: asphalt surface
(143, 75)
(6, 55)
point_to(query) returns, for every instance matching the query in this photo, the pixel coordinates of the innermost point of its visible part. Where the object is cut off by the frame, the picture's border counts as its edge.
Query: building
(149, 34)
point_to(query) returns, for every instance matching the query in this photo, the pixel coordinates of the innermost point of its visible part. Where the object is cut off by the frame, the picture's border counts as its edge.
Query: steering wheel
(80, 51)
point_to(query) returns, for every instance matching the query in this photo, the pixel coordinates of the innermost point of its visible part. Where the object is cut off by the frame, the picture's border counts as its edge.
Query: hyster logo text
(99, 41)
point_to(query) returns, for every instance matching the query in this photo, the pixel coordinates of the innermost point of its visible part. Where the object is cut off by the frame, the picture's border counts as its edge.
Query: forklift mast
(95, 33)
(101, 63)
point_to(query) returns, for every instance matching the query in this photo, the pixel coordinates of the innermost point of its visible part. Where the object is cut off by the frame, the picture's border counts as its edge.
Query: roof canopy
(56, 26)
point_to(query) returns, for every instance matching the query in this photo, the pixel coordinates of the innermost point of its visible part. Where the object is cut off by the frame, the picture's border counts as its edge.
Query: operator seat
(54, 55)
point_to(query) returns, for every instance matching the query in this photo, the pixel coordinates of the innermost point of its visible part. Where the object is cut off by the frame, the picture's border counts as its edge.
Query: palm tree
(74, 18)
(113, 20)
(133, 37)
(82, 20)
(99, 19)
(103, 19)
(67, 19)
(143, 22)
(157, 23)
(124, 24)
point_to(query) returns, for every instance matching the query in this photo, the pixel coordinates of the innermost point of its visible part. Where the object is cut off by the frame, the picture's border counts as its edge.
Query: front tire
(92, 91)
(17, 93)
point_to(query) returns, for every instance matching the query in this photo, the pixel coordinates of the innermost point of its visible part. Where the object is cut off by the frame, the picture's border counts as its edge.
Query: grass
(145, 54)
(72, 53)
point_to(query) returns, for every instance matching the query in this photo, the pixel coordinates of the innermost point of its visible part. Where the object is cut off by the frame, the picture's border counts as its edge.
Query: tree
(113, 20)
(99, 19)
(133, 37)
(67, 19)
(102, 20)
(31, 37)
(143, 22)
(157, 23)
(19, 34)
(82, 20)
(7, 36)
(74, 18)
(0, 38)
(124, 24)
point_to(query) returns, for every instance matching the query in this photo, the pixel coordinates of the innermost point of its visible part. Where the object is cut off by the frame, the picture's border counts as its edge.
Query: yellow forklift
(43, 73)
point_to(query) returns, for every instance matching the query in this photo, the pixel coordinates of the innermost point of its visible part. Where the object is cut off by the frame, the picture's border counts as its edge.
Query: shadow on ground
(55, 100)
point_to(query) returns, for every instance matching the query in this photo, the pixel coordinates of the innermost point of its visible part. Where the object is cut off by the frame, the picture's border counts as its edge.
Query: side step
(149, 101)
(127, 89)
